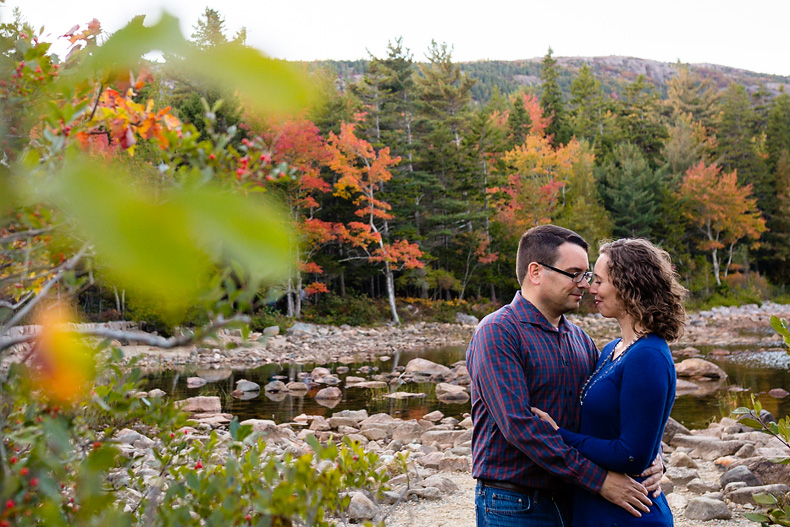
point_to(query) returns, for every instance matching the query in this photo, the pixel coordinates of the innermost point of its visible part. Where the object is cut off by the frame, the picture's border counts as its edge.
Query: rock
(356, 416)
(404, 395)
(745, 451)
(245, 396)
(779, 393)
(248, 386)
(451, 393)
(468, 320)
(699, 369)
(361, 508)
(156, 392)
(269, 430)
(440, 482)
(455, 464)
(766, 470)
(407, 432)
(195, 382)
(372, 385)
(428, 493)
(466, 423)
(275, 387)
(431, 460)
(667, 486)
(350, 380)
(744, 495)
(329, 393)
(684, 387)
(705, 509)
(319, 373)
(426, 367)
(215, 375)
(681, 459)
(271, 331)
(440, 437)
(301, 329)
(673, 427)
(740, 473)
(677, 501)
(706, 447)
(434, 416)
(296, 386)
(699, 486)
(200, 404)
(681, 475)
(689, 351)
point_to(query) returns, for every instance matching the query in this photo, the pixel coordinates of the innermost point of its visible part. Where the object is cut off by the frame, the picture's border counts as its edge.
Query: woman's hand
(546, 417)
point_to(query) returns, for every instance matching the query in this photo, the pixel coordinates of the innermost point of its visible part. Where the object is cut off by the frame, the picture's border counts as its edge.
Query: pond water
(756, 371)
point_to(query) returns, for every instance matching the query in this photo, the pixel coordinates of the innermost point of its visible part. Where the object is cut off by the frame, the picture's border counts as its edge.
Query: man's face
(558, 292)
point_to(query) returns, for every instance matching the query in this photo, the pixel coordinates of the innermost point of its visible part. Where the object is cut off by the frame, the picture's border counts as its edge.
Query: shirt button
(630, 458)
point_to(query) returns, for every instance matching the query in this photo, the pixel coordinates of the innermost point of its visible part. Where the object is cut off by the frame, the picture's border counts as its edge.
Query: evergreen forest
(409, 182)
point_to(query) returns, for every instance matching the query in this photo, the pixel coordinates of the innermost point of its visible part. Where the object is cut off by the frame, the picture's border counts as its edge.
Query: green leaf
(265, 85)
(750, 422)
(248, 229)
(755, 517)
(102, 458)
(144, 243)
(126, 46)
(234, 428)
(764, 499)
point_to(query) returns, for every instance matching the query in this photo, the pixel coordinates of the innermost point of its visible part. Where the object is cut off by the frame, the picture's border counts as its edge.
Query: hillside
(612, 71)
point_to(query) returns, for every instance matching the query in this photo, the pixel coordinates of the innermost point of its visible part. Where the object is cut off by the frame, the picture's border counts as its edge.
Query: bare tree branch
(24, 234)
(16, 306)
(138, 336)
(66, 266)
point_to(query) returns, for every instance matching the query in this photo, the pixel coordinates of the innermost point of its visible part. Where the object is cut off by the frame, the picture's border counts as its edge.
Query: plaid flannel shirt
(516, 360)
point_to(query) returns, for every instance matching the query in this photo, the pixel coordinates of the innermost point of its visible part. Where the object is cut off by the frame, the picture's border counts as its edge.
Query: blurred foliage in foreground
(177, 229)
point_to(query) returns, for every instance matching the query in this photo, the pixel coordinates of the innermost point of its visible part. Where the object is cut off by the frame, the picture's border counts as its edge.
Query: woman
(627, 400)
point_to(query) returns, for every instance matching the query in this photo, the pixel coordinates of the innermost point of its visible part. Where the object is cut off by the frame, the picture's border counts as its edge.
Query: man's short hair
(539, 244)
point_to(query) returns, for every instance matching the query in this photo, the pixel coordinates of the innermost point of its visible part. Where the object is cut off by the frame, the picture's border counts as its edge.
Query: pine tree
(689, 94)
(739, 144)
(210, 30)
(631, 192)
(590, 115)
(551, 101)
(639, 120)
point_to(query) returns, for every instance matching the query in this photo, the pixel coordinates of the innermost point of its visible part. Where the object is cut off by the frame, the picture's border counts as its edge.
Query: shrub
(61, 466)
(354, 310)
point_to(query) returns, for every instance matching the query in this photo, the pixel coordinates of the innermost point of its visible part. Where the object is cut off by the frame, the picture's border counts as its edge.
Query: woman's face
(606, 298)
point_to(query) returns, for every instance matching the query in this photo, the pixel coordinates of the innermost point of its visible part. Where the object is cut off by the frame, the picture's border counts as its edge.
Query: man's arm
(498, 378)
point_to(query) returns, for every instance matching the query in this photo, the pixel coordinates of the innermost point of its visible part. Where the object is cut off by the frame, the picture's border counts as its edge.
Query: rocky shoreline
(712, 473)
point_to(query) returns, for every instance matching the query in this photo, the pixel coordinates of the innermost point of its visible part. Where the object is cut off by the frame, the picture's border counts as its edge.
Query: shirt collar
(527, 312)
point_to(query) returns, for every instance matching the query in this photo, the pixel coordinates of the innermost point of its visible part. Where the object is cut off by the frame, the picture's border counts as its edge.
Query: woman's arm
(647, 379)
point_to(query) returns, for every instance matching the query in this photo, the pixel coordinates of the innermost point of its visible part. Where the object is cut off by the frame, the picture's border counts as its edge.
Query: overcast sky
(748, 35)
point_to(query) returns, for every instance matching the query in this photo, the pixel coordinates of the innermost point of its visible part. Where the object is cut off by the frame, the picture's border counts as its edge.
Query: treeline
(703, 172)
(401, 183)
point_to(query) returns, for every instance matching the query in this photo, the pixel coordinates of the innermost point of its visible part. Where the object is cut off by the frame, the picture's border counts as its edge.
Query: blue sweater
(625, 408)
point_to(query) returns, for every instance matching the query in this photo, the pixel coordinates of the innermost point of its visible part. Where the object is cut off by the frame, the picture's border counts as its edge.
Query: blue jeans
(505, 508)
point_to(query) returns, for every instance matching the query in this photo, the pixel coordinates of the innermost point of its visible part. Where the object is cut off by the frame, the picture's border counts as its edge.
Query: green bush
(60, 465)
(354, 310)
(268, 316)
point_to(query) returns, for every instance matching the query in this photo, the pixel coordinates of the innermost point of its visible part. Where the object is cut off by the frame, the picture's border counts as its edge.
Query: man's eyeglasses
(577, 277)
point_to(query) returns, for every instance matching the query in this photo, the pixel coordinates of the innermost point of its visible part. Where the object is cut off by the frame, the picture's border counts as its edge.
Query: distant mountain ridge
(613, 71)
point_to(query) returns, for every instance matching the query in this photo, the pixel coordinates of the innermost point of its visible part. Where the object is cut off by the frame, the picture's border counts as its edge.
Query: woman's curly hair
(647, 284)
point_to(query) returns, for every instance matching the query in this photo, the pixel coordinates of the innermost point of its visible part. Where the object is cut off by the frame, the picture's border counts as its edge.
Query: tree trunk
(342, 283)
(390, 280)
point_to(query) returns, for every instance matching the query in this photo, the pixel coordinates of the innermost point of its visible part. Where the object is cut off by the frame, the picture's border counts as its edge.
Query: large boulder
(740, 473)
(425, 367)
(699, 369)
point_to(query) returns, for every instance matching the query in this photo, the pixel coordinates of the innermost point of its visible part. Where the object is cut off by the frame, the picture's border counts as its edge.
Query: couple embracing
(565, 435)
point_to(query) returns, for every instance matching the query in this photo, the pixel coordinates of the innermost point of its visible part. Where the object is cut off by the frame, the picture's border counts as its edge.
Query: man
(528, 354)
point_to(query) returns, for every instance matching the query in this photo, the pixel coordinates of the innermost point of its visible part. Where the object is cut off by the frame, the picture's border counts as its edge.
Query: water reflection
(758, 372)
